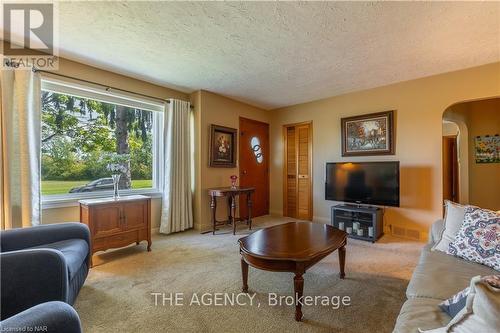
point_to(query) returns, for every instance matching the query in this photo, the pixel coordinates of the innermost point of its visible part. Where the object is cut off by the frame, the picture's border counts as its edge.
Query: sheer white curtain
(19, 148)
(177, 208)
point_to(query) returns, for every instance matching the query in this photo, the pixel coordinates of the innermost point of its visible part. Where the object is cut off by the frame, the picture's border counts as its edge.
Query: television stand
(358, 205)
(360, 222)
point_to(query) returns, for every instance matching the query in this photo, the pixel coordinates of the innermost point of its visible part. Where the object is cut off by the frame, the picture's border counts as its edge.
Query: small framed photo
(369, 134)
(223, 143)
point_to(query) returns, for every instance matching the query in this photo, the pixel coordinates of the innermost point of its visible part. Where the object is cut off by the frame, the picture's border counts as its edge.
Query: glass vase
(116, 180)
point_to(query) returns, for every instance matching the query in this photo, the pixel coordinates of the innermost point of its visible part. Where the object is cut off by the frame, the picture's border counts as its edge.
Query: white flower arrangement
(116, 162)
(116, 168)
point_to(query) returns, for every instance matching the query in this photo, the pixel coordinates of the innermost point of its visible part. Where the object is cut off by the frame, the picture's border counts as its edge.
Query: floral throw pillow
(478, 239)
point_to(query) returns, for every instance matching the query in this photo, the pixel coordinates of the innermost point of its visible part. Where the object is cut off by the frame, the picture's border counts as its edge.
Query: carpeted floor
(117, 296)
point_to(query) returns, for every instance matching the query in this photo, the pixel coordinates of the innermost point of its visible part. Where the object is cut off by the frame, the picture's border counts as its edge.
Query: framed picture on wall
(223, 143)
(487, 148)
(369, 134)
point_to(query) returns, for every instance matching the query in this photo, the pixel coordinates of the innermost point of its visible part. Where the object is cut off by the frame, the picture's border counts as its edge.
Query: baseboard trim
(322, 219)
(276, 213)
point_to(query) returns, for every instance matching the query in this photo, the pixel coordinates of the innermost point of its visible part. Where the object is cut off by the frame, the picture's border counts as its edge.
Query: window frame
(106, 95)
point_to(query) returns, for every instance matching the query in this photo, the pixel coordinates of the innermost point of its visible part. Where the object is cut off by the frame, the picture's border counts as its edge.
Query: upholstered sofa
(49, 317)
(41, 264)
(437, 277)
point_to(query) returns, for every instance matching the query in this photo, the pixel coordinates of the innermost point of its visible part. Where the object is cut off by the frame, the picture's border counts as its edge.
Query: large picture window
(88, 135)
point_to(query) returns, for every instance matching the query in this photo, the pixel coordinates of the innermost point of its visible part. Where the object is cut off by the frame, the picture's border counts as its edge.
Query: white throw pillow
(478, 239)
(453, 219)
(481, 313)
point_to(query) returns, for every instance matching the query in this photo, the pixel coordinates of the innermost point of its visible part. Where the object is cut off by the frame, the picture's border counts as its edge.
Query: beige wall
(81, 71)
(484, 179)
(420, 105)
(93, 74)
(480, 185)
(211, 108)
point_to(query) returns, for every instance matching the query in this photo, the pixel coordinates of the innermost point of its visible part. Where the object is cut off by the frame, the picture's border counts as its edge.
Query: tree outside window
(78, 136)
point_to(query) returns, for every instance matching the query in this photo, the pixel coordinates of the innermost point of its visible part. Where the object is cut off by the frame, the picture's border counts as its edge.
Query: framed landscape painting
(369, 134)
(222, 146)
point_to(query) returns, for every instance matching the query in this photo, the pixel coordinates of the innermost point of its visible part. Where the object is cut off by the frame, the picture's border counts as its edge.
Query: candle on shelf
(341, 225)
(360, 232)
(349, 230)
(370, 231)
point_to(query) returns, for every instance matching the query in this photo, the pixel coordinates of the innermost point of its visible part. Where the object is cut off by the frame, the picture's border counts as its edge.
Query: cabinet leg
(149, 245)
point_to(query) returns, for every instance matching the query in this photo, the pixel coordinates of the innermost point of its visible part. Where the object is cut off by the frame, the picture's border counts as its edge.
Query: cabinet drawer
(118, 240)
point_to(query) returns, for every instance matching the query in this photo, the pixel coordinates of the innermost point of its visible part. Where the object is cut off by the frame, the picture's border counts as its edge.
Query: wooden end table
(231, 194)
(291, 247)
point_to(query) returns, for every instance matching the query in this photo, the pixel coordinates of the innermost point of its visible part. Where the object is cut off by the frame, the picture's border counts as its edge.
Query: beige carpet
(117, 294)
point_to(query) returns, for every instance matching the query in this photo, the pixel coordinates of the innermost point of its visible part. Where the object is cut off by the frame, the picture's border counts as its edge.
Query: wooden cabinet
(117, 222)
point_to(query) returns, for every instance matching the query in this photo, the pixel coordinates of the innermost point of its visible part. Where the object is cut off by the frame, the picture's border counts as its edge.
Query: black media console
(360, 222)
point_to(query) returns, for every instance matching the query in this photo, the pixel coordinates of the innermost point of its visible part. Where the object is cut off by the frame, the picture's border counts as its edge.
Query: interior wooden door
(298, 171)
(450, 169)
(254, 165)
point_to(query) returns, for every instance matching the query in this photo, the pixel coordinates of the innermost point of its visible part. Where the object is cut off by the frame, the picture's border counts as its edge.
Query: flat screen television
(371, 183)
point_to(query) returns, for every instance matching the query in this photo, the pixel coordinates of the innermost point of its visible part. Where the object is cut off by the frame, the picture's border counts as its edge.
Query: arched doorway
(471, 165)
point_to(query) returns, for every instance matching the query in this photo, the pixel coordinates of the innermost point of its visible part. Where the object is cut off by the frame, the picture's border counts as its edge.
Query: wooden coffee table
(291, 247)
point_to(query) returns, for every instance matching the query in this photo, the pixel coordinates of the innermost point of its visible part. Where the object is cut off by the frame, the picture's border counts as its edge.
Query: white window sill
(56, 201)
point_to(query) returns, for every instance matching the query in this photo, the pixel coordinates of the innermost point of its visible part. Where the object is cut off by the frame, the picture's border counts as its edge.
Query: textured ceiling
(275, 54)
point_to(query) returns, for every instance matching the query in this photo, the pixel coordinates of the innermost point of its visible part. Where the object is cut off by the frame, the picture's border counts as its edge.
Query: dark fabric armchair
(41, 264)
(51, 317)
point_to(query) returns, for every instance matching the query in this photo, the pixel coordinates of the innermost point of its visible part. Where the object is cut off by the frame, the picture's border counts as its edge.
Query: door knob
(244, 172)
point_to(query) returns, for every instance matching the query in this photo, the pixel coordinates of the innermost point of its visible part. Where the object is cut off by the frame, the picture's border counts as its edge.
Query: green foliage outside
(77, 134)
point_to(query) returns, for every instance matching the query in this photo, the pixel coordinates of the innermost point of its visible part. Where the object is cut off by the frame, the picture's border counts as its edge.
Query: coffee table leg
(298, 284)
(244, 275)
(342, 261)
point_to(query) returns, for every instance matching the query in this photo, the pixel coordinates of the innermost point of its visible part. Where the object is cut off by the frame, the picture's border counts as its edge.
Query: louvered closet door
(298, 185)
(303, 173)
(291, 168)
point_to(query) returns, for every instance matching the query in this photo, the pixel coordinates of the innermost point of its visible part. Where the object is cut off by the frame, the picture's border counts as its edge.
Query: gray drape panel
(20, 123)
(177, 208)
